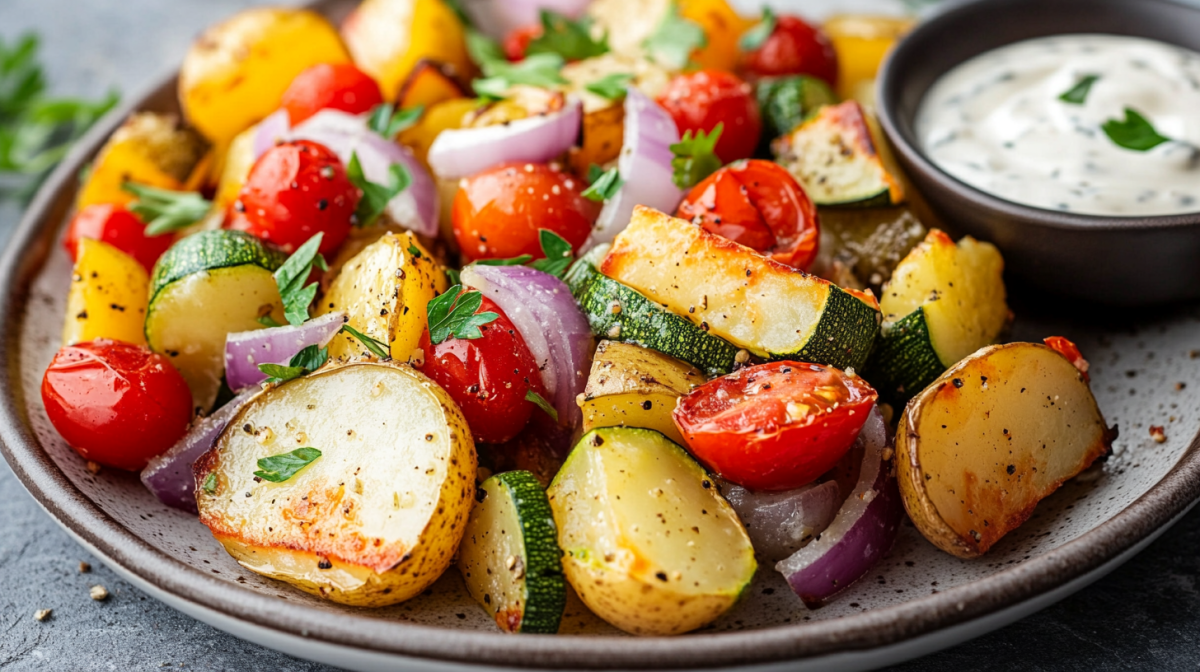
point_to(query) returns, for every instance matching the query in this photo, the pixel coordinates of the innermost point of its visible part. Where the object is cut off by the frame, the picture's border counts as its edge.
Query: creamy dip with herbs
(1090, 124)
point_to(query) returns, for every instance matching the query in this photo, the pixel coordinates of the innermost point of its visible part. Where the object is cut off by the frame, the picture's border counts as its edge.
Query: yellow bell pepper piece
(862, 42)
(389, 37)
(108, 296)
(722, 26)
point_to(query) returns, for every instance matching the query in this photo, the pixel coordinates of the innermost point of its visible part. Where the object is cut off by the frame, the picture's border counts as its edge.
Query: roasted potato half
(632, 386)
(372, 521)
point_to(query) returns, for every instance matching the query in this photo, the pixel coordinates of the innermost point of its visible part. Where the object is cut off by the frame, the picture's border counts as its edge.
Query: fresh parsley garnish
(611, 86)
(1077, 94)
(309, 359)
(695, 158)
(755, 37)
(387, 121)
(268, 321)
(279, 468)
(604, 186)
(1135, 132)
(414, 251)
(454, 276)
(559, 254)
(210, 484)
(673, 41)
(291, 276)
(164, 210)
(570, 39)
(541, 70)
(483, 49)
(511, 261)
(377, 348)
(375, 197)
(452, 314)
(541, 403)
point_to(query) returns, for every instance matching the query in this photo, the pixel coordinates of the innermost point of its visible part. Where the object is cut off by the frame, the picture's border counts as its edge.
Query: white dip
(997, 122)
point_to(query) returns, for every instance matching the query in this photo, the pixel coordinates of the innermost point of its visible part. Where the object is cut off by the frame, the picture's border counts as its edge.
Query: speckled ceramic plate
(1145, 371)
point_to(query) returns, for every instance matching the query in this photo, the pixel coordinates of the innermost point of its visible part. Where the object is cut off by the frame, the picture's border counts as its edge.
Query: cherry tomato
(1069, 350)
(115, 403)
(516, 42)
(497, 213)
(295, 191)
(330, 86)
(122, 229)
(700, 100)
(760, 205)
(774, 426)
(487, 377)
(794, 48)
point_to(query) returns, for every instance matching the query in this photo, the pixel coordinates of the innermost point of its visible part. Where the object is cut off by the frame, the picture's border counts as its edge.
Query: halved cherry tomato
(698, 101)
(760, 205)
(115, 403)
(1069, 350)
(330, 86)
(487, 377)
(774, 426)
(516, 42)
(122, 229)
(497, 213)
(296, 190)
(794, 48)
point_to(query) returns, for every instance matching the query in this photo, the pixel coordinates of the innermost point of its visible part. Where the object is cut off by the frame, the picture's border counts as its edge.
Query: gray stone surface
(1145, 616)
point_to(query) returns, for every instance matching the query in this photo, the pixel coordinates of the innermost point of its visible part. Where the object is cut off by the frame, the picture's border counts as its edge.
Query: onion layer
(270, 131)
(464, 152)
(245, 350)
(781, 523)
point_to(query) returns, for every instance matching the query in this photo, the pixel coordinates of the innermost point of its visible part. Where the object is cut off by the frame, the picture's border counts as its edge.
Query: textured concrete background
(1145, 616)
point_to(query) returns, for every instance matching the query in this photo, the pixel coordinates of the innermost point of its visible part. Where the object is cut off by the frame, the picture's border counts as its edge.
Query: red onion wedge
(245, 350)
(169, 476)
(781, 523)
(464, 152)
(558, 335)
(270, 131)
(644, 164)
(861, 533)
(498, 18)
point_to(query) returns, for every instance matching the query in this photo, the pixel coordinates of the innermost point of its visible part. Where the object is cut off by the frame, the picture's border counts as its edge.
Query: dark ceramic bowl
(1121, 260)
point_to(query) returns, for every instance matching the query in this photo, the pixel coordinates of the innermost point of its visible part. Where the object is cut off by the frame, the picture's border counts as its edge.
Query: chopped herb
(452, 314)
(210, 483)
(594, 173)
(268, 321)
(414, 252)
(1135, 132)
(612, 86)
(483, 49)
(674, 40)
(454, 276)
(755, 37)
(695, 157)
(279, 468)
(542, 70)
(377, 348)
(541, 402)
(375, 197)
(388, 122)
(309, 359)
(603, 187)
(559, 254)
(570, 39)
(512, 261)
(291, 276)
(1077, 94)
(164, 210)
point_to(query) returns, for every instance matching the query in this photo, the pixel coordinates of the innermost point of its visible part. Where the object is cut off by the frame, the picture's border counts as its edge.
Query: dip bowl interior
(1116, 260)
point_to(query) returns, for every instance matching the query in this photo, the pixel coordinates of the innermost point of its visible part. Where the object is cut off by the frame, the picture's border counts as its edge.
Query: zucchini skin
(545, 584)
(904, 362)
(210, 250)
(844, 335)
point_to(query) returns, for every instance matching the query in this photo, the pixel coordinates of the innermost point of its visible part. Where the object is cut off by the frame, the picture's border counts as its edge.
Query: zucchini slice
(632, 386)
(207, 286)
(732, 292)
(944, 302)
(787, 101)
(509, 557)
(833, 156)
(619, 313)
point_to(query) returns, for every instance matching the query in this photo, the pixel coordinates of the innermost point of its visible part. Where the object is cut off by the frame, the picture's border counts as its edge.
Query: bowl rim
(25, 255)
(891, 80)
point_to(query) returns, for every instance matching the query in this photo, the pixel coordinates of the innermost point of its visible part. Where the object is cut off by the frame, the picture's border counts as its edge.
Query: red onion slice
(781, 523)
(465, 152)
(245, 350)
(169, 476)
(644, 164)
(270, 131)
(498, 18)
(558, 335)
(861, 533)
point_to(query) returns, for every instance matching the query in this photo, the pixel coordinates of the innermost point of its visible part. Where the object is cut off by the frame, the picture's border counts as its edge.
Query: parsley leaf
(210, 483)
(1135, 132)
(542, 70)
(165, 211)
(454, 276)
(279, 468)
(570, 39)
(755, 37)
(611, 86)
(268, 321)
(594, 173)
(387, 121)
(309, 359)
(453, 315)
(1077, 94)
(377, 348)
(291, 276)
(604, 186)
(559, 254)
(414, 251)
(695, 158)
(673, 41)
(541, 403)
(483, 49)
(375, 197)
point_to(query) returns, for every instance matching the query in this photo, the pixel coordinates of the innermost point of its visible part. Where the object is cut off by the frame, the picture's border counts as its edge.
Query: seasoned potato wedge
(389, 37)
(108, 297)
(377, 517)
(632, 386)
(239, 159)
(430, 83)
(150, 149)
(651, 546)
(997, 433)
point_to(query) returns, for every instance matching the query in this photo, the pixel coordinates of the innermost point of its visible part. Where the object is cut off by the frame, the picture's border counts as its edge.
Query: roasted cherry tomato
(497, 214)
(115, 403)
(487, 377)
(760, 205)
(516, 42)
(1069, 350)
(774, 426)
(698, 101)
(295, 191)
(330, 86)
(794, 48)
(122, 229)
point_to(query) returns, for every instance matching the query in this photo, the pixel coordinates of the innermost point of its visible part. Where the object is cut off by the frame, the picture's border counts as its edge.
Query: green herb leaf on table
(375, 197)
(279, 468)
(695, 157)
(611, 86)
(1078, 94)
(210, 484)
(1135, 132)
(389, 122)
(570, 39)
(452, 314)
(164, 210)
(604, 186)
(673, 41)
(291, 276)
(755, 37)
(377, 347)
(541, 70)
(309, 359)
(541, 403)
(559, 254)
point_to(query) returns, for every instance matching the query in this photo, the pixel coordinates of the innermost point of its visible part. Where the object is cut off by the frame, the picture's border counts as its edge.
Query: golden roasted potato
(632, 386)
(108, 297)
(149, 148)
(629, 23)
(447, 115)
(389, 37)
(239, 159)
